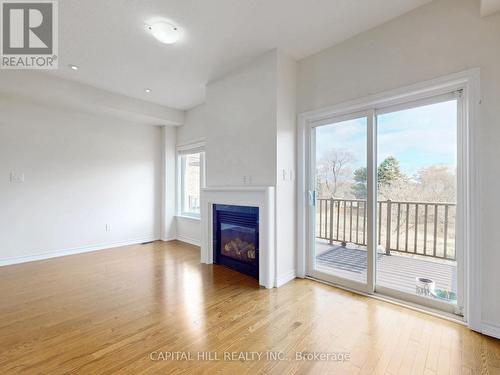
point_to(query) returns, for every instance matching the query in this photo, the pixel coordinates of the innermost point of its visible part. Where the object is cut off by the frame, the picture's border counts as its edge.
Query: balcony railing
(420, 228)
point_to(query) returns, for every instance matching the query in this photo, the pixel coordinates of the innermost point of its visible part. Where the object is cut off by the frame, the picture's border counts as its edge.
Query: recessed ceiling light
(73, 67)
(164, 32)
(147, 90)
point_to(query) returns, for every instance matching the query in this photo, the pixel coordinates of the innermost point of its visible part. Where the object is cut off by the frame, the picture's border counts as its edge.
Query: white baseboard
(74, 250)
(284, 278)
(166, 239)
(490, 329)
(189, 240)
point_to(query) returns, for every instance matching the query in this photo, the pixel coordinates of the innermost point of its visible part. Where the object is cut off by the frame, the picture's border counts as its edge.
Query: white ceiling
(108, 41)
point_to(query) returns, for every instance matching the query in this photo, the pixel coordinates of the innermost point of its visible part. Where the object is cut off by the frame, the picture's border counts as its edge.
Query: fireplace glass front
(236, 238)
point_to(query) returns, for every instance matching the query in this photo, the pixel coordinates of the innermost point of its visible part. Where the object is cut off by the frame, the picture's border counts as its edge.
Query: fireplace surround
(261, 197)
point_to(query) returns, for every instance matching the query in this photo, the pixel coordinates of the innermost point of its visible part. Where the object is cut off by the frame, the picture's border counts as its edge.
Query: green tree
(359, 186)
(389, 171)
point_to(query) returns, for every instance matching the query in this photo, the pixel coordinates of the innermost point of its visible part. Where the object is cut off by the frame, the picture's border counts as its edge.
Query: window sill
(188, 217)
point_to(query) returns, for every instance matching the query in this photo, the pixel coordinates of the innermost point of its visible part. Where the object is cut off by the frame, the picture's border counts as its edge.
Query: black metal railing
(423, 228)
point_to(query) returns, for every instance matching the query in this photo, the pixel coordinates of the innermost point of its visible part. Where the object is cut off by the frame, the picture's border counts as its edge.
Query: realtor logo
(29, 34)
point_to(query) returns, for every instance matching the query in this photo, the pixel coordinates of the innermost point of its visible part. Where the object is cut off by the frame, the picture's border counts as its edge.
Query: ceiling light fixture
(73, 67)
(164, 32)
(147, 90)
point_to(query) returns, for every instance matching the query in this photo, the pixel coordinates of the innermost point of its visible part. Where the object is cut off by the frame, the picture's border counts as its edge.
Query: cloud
(417, 137)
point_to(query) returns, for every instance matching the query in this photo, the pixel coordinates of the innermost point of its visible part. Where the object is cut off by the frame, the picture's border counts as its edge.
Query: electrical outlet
(107, 227)
(16, 178)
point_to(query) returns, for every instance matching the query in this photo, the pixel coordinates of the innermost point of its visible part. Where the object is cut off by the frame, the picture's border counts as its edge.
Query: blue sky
(417, 137)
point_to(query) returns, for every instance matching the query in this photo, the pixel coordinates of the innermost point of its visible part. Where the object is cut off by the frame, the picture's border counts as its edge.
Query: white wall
(440, 38)
(286, 167)
(189, 230)
(194, 128)
(241, 125)
(82, 172)
(169, 227)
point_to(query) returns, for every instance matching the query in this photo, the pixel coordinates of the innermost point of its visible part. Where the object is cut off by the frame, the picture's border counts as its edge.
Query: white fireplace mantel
(253, 196)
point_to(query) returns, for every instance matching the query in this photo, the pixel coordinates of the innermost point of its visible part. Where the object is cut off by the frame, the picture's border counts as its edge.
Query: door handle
(312, 197)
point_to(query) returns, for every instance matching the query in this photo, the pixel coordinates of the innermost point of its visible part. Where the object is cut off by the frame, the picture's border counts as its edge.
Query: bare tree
(437, 183)
(334, 170)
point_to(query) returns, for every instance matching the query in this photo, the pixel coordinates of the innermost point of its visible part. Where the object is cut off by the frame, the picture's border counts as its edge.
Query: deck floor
(394, 271)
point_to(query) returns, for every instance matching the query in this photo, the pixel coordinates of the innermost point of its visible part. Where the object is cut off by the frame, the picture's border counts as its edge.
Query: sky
(418, 137)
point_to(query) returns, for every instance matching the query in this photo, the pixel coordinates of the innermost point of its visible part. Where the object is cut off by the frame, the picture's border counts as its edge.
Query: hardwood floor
(106, 312)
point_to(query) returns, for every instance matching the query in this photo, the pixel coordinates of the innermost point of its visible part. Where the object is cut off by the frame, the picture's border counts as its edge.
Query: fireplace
(236, 238)
(262, 199)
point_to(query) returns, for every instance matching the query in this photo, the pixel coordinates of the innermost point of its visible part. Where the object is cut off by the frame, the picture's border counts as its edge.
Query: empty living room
(249, 187)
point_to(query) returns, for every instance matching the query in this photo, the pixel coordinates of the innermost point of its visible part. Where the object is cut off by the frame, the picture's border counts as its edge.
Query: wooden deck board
(394, 271)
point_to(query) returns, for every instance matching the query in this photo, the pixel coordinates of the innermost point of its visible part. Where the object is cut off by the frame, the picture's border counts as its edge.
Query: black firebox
(236, 238)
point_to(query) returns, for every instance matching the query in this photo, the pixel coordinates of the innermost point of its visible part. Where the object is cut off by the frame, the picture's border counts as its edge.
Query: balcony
(415, 239)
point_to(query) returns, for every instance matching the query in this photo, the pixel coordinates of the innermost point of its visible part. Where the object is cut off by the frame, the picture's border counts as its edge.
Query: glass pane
(341, 210)
(417, 178)
(191, 183)
(238, 242)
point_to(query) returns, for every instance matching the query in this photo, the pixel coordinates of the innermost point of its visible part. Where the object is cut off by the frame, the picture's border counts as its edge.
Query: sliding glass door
(417, 201)
(383, 201)
(340, 207)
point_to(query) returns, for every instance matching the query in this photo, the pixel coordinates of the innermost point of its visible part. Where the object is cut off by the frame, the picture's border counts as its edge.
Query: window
(191, 164)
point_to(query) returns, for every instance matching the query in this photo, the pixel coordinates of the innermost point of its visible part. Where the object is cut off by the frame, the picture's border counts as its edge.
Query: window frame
(182, 152)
